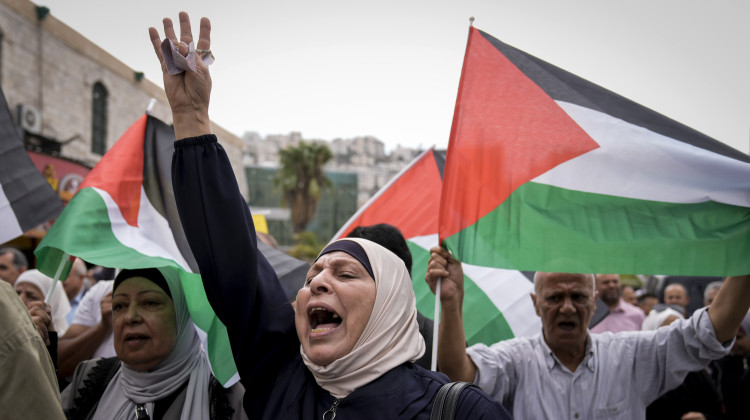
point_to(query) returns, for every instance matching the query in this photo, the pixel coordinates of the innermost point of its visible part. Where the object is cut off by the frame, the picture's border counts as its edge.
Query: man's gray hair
(712, 287)
(19, 259)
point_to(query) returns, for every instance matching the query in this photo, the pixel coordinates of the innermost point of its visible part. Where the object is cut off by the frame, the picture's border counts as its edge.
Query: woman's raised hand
(188, 92)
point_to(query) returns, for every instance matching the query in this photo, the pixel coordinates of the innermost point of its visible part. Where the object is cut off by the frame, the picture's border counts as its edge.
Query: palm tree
(302, 180)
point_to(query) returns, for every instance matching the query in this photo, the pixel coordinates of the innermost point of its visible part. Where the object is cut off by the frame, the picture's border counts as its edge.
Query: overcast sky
(390, 68)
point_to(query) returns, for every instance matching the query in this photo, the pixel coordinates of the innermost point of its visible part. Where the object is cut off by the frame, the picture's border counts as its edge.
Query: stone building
(71, 98)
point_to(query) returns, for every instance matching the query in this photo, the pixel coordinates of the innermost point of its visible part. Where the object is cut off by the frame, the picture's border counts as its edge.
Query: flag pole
(63, 260)
(436, 325)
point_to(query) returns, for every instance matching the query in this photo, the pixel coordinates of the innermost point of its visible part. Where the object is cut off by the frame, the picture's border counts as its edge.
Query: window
(99, 119)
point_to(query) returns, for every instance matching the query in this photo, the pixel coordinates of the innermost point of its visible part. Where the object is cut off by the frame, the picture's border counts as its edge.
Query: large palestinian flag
(26, 198)
(497, 304)
(124, 215)
(547, 171)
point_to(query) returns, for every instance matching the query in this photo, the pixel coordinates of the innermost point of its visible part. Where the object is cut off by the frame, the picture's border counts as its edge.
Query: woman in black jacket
(356, 316)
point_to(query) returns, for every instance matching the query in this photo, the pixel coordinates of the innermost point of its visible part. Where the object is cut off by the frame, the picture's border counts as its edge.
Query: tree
(302, 180)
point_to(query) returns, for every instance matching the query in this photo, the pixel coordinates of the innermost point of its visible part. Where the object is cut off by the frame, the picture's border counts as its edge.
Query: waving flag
(497, 304)
(26, 198)
(547, 171)
(124, 215)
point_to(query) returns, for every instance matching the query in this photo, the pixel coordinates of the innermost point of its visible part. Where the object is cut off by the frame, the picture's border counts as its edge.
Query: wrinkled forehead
(676, 289)
(25, 286)
(549, 281)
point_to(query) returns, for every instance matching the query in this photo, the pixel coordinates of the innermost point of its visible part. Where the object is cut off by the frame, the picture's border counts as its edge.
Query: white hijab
(187, 361)
(391, 336)
(656, 318)
(59, 304)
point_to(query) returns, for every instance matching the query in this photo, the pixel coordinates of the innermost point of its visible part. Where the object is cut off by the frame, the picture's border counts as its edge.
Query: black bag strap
(446, 400)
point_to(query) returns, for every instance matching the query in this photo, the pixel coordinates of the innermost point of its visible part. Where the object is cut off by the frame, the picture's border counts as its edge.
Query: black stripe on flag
(31, 197)
(564, 86)
(158, 146)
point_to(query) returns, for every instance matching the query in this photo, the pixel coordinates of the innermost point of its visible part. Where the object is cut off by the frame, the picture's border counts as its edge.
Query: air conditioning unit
(29, 118)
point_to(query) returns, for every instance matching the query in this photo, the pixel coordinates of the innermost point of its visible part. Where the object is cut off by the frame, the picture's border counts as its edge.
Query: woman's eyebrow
(137, 294)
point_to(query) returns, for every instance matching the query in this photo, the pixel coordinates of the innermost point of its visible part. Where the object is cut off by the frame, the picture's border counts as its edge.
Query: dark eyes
(574, 297)
(148, 304)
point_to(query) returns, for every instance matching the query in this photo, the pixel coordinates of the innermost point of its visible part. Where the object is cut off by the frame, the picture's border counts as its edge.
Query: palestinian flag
(124, 215)
(26, 198)
(547, 171)
(497, 304)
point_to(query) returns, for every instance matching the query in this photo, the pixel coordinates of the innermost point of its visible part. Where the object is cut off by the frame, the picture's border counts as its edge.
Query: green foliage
(302, 180)
(306, 246)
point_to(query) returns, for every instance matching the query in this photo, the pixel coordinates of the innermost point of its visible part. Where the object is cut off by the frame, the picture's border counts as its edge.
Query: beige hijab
(391, 336)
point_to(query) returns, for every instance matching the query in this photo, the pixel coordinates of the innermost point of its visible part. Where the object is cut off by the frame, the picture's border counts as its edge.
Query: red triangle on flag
(410, 202)
(120, 171)
(506, 131)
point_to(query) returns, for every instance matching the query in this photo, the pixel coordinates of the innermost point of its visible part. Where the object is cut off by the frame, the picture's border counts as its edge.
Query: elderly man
(567, 373)
(12, 264)
(647, 301)
(622, 315)
(710, 293)
(628, 295)
(676, 294)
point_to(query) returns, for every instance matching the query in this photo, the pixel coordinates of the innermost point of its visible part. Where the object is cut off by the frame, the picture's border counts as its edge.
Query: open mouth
(322, 319)
(566, 326)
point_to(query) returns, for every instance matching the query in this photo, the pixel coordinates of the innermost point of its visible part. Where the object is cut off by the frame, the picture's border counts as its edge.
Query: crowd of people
(352, 343)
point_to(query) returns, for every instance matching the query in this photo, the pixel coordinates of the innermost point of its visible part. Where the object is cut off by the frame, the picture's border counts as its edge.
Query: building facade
(70, 98)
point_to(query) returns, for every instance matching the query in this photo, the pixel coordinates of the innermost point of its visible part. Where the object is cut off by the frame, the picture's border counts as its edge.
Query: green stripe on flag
(546, 228)
(483, 322)
(94, 241)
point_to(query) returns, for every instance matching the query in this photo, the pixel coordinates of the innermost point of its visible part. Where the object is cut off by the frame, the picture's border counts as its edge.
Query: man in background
(676, 294)
(710, 293)
(628, 295)
(12, 264)
(647, 301)
(622, 315)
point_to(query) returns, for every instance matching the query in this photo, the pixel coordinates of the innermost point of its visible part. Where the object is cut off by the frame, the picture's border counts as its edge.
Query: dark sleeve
(52, 348)
(240, 283)
(476, 404)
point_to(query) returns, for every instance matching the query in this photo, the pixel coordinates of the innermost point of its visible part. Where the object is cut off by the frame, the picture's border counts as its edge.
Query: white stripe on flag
(427, 241)
(507, 289)
(152, 237)
(9, 227)
(655, 167)
(509, 292)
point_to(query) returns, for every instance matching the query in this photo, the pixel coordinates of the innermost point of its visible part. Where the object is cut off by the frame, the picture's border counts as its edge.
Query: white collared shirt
(620, 375)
